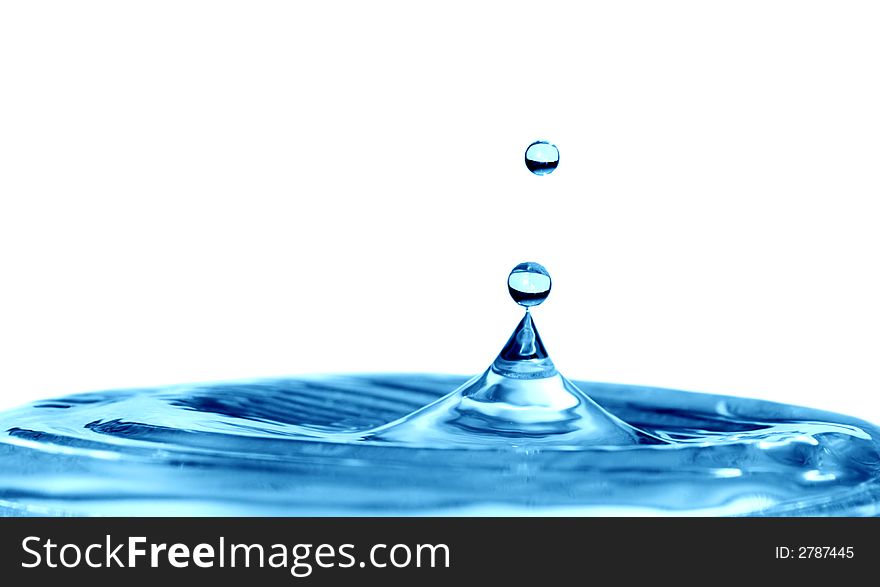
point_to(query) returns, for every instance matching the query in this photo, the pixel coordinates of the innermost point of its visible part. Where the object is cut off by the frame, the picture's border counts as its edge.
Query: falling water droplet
(542, 157)
(529, 284)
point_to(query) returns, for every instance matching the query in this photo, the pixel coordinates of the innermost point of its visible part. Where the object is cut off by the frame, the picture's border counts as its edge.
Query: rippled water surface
(402, 444)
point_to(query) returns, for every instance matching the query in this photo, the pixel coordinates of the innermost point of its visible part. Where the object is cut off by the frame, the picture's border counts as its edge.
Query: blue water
(542, 158)
(529, 284)
(520, 439)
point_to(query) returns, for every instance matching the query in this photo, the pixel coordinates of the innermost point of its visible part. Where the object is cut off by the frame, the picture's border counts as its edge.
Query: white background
(208, 190)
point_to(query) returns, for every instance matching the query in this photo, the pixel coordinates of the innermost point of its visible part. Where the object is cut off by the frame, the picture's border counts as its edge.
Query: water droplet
(542, 157)
(529, 284)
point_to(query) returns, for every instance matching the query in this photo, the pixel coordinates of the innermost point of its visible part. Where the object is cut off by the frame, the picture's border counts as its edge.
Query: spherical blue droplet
(528, 284)
(542, 157)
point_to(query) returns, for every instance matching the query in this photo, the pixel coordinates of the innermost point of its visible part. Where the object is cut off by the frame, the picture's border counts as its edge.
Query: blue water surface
(404, 444)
